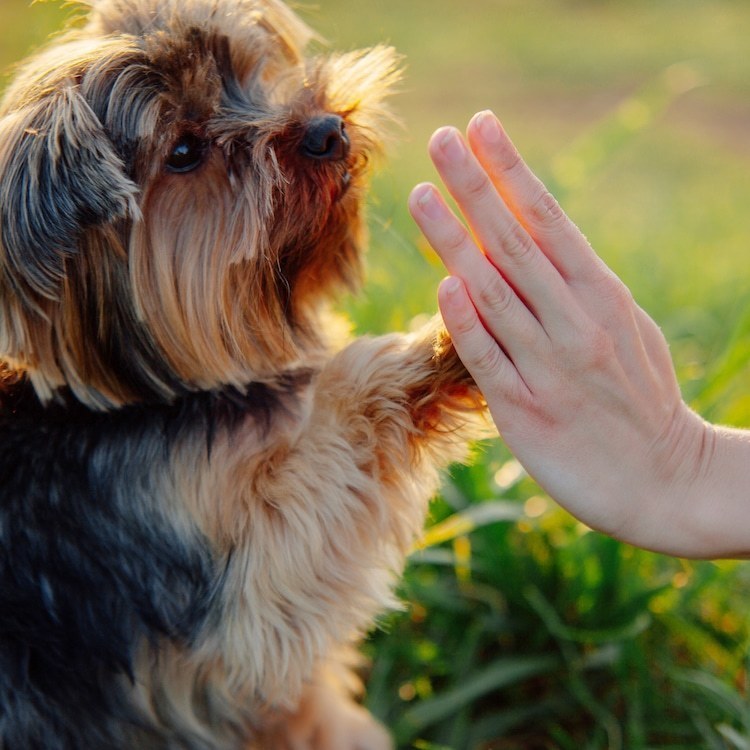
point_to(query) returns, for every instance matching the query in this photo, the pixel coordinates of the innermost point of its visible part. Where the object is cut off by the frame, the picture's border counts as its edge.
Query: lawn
(522, 629)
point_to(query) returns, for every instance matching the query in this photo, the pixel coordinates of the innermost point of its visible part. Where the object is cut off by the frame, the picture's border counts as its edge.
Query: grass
(522, 630)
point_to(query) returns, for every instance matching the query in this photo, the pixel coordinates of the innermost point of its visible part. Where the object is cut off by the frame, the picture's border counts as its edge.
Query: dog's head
(181, 188)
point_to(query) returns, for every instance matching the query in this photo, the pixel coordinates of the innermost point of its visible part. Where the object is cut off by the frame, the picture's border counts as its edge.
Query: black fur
(63, 180)
(91, 566)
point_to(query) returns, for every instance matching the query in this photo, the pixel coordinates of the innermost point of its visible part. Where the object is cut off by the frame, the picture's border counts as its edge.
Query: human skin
(578, 378)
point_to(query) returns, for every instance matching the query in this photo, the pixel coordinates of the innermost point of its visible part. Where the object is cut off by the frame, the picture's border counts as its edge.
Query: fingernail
(452, 145)
(489, 127)
(427, 201)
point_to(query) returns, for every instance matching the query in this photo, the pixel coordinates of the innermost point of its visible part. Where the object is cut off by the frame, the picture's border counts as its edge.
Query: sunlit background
(524, 630)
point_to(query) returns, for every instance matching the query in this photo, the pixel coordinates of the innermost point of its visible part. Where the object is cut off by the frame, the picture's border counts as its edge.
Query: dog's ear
(59, 175)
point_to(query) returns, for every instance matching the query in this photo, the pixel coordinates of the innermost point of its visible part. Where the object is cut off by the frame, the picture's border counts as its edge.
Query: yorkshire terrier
(205, 496)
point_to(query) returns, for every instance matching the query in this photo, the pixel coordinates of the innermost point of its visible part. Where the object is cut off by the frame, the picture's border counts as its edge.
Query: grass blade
(466, 521)
(502, 673)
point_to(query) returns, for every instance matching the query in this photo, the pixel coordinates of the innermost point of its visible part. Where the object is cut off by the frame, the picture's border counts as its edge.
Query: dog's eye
(187, 154)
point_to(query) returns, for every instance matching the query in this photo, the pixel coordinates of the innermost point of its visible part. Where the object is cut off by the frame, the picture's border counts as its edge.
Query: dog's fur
(203, 499)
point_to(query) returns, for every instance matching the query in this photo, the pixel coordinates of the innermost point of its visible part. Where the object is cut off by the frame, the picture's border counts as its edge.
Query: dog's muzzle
(325, 139)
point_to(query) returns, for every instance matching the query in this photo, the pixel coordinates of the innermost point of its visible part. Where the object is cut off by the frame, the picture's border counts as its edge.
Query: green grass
(523, 630)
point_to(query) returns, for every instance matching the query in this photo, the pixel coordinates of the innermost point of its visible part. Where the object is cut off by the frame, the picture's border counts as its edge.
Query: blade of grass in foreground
(733, 363)
(631, 628)
(500, 674)
(460, 524)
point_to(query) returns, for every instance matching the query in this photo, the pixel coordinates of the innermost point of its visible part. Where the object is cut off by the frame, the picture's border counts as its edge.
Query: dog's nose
(326, 139)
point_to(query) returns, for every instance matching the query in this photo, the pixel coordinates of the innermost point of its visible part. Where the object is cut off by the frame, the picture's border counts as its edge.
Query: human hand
(579, 379)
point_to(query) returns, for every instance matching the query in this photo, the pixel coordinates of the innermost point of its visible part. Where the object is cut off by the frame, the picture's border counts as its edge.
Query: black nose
(326, 139)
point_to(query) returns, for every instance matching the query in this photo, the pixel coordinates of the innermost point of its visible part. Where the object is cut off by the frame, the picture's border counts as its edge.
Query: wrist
(684, 454)
(719, 497)
(703, 493)
(668, 510)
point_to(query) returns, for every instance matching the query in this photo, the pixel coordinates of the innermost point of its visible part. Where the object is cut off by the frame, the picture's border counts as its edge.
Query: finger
(506, 243)
(491, 368)
(530, 201)
(502, 312)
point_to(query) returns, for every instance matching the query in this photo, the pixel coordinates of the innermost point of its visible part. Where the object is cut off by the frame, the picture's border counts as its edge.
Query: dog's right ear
(59, 175)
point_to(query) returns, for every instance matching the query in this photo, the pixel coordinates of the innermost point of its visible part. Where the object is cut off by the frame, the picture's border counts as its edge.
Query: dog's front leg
(404, 406)
(332, 513)
(328, 718)
(420, 403)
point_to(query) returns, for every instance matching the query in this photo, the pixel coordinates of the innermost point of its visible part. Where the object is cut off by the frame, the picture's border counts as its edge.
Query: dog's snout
(326, 139)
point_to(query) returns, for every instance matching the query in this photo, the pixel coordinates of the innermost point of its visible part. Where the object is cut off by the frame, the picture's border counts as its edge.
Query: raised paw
(445, 396)
(327, 720)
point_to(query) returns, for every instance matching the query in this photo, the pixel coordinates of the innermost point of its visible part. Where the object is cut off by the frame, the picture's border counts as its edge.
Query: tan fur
(222, 277)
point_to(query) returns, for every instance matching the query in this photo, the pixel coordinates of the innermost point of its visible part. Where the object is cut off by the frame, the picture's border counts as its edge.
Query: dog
(208, 488)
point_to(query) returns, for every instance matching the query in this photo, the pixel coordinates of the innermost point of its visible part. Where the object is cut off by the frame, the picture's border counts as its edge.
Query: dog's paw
(450, 369)
(349, 728)
(327, 721)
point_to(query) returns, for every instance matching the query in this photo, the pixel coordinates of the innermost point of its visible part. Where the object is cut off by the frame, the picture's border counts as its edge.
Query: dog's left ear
(59, 174)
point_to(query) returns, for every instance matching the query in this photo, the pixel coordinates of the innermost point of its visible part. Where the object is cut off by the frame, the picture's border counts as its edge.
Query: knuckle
(477, 186)
(596, 349)
(455, 238)
(487, 360)
(495, 295)
(480, 353)
(623, 297)
(618, 297)
(509, 161)
(465, 327)
(546, 212)
(518, 245)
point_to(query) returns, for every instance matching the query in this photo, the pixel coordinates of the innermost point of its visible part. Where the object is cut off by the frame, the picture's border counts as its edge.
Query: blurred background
(521, 628)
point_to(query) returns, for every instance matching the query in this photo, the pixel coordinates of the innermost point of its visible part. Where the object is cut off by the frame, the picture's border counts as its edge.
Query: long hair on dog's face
(180, 191)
